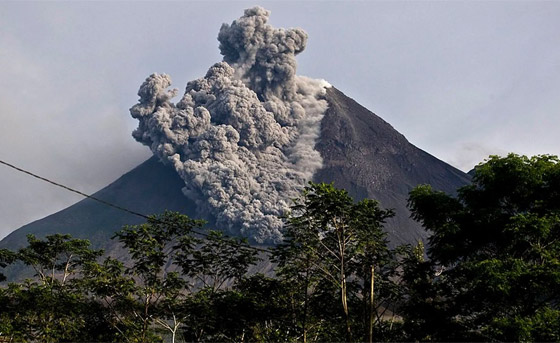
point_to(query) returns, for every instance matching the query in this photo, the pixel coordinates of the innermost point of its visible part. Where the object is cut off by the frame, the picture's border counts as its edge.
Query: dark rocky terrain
(365, 155)
(362, 153)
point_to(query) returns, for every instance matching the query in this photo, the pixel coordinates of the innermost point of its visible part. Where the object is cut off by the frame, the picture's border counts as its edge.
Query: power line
(106, 203)
(73, 190)
(152, 218)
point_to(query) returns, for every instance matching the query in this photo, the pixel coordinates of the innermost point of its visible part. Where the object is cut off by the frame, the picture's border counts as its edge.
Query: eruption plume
(242, 137)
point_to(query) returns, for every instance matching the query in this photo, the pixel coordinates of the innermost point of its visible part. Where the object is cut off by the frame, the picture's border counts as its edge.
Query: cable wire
(267, 251)
(73, 190)
(106, 203)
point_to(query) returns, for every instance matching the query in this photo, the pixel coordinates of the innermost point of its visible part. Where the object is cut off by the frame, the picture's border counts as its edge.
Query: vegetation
(334, 250)
(491, 272)
(494, 270)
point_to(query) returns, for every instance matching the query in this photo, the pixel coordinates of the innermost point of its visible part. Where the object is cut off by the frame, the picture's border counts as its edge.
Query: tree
(174, 277)
(495, 250)
(374, 264)
(421, 305)
(54, 307)
(216, 311)
(268, 303)
(217, 261)
(147, 291)
(57, 257)
(6, 258)
(333, 242)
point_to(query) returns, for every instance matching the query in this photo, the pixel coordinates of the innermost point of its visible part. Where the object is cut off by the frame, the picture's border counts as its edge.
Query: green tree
(494, 266)
(268, 300)
(218, 261)
(216, 311)
(6, 258)
(422, 306)
(174, 277)
(334, 244)
(148, 289)
(57, 257)
(53, 307)
(375, 267)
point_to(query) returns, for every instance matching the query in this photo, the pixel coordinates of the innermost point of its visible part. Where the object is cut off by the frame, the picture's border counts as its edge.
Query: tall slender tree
(332, 240)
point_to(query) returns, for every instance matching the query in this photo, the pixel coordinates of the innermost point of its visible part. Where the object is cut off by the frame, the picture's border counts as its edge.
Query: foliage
(490, 273)
(217, 260)
(335, 246)
(6, 257)
(145, 292)
(55, 307)
(215, 311)
(495, 251)
(176, 274)
(57, 257)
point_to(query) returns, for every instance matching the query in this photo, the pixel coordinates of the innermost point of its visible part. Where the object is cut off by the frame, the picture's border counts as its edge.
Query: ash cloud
(242, 137)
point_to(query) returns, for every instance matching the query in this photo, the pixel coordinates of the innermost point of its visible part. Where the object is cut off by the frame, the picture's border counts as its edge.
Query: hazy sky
(461, 80)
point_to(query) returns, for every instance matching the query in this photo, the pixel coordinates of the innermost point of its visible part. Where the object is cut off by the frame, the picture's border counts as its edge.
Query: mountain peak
(361, 153)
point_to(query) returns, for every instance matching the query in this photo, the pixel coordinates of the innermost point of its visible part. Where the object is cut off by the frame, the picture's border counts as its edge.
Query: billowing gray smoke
(242, 138)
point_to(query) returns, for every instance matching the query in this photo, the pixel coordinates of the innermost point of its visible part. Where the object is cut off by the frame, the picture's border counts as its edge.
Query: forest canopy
(490, 272)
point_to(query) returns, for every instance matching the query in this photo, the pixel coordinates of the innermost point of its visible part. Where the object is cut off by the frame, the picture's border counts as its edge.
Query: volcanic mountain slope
(149, 188)
(370, 159)
(361, 153)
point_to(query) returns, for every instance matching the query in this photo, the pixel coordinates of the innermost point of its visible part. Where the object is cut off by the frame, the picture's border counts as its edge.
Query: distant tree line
(490, 272)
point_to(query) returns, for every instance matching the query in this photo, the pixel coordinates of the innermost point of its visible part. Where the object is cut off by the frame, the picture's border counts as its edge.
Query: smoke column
(242, 137)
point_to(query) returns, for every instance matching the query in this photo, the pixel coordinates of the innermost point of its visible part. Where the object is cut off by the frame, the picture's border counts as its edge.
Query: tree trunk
(371, 306)
(343, 292)
(305, 302)
(346, 313)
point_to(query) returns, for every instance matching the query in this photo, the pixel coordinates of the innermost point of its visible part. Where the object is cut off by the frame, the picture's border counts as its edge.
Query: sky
(461, 80)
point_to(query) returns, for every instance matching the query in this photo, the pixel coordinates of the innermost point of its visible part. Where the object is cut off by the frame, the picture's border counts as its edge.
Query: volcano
(361, 153)
(243, 141)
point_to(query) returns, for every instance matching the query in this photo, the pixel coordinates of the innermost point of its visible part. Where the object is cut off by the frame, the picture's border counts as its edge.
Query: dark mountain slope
(366, 156)
(149, 188)
(362, 153)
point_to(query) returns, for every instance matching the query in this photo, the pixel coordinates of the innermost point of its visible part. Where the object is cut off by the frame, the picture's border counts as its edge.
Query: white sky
(461, 80)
